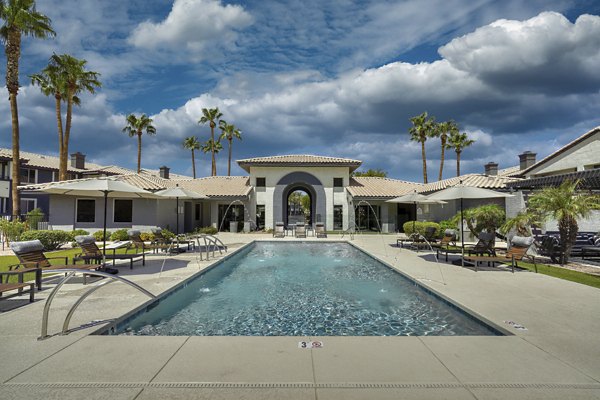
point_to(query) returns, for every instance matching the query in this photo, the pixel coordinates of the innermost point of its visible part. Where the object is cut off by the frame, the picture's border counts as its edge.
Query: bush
(98, 235)
(51, 240)
(119, 234)
(33, 217)
(208, 230)
(12, 230)
(420, 227)
(448, 224)
(167, 234)
(79, 232)
(147, 236)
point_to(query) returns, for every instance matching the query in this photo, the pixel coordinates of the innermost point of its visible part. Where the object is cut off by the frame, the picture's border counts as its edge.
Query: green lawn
(563, 273)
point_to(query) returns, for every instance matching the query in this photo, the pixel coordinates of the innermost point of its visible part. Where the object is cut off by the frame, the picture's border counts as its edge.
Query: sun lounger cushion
(134, 232)
(521, 241)
(26, 246)
(85, 239)
(156, 230)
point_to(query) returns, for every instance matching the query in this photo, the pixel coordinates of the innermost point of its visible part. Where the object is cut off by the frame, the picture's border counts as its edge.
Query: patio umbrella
(461, 192)
(179, 193)
(415, 198)
(98, 187)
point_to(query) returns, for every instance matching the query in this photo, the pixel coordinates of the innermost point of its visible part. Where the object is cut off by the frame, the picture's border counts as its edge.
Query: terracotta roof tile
(476, 180)
(380, 187)
(299, 160)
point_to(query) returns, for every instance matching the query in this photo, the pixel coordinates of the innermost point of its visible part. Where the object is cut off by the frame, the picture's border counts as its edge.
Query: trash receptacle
(233, 225)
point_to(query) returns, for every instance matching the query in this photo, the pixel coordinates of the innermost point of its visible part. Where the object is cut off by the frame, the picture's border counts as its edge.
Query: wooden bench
(5, 287)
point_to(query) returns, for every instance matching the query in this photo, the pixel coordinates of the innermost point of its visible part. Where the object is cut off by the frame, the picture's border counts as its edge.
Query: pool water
(293, 289)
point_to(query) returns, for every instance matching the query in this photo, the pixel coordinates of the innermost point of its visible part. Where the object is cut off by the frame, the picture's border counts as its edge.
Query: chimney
(164, 172)
(78, 160)
(491, 169)
(527, 159)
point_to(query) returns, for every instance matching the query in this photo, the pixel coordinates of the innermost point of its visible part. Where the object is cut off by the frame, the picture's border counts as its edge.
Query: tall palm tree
(229, 131)
(443, 130)
(423, 127)
(192, 143)
(136, 127)
(20, 18)
(565, 204)
(211, 116)
(66, 77)
(458, 141)
(210, 146)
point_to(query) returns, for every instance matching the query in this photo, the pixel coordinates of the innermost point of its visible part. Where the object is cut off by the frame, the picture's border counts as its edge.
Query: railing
(70, 273)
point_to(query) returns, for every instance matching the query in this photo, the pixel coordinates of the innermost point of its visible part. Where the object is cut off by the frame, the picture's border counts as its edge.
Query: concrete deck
(557, 357)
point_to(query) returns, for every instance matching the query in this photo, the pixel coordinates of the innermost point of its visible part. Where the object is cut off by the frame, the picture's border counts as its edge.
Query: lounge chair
(5, 287)
(449, 239)
(30, 254)
(300, 231)
(484, 245)
(91, 252)
(320, 230)
(137, 243)
(518, 250)
(279, 230)
(161, 240)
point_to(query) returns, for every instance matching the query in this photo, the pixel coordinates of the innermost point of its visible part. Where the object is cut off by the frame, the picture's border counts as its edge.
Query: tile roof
(299, 160)
(374, 187)
(563, 149)
(510, 171)
(476, 180)
(44, 161)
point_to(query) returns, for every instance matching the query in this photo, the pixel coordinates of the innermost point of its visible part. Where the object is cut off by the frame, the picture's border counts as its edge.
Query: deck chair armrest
(27, 264)
(59, 258)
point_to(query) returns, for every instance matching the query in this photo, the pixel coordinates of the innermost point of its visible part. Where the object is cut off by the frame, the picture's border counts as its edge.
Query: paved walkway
(557, 357)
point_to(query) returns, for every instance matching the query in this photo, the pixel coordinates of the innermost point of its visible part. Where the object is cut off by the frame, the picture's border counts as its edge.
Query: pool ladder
(70, 272)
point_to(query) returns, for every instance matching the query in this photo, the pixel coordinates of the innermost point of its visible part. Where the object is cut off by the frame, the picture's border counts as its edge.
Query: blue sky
(339, 78)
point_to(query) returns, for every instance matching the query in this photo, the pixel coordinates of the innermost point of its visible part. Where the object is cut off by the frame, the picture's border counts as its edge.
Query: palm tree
(66, 77)
(211, 116)
(423, 127)
(458, 141)
(442, 131)
(212, 147)
(136, 127)
(229, 132)
(20, 18)
(192, 143)
(565, 204)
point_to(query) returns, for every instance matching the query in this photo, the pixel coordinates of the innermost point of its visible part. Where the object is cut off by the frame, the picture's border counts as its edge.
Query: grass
(563, 273)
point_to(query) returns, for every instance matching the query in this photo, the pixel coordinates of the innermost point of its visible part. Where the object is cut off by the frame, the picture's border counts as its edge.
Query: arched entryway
(299, 181)
(299, 206)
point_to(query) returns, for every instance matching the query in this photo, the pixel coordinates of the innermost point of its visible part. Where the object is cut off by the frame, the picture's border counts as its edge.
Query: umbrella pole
(462, 234)
(104, 231)
(177, 215)
(415, 219)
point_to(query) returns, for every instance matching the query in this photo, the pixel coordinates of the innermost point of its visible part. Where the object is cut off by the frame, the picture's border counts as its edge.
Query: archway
(305, 182)
(299, 206)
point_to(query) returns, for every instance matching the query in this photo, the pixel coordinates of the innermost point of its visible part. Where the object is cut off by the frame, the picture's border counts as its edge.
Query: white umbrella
(179, 193)
(461, 192)
(415, 198)
(98, 187)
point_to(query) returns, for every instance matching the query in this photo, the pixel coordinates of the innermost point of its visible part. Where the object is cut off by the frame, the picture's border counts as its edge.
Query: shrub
(119, 234)
(167, 234)
(208, 230)
(79, 232)
(448, 224)
(51, 240)
(12, 230)
(420, 227)
(147, 236)
(98, 235)
(33, 217)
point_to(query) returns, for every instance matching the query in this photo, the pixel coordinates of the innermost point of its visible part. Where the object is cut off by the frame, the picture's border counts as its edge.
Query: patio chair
(160, 239)
(449, 239)
(5, 287)
(91, 252)
(484, 245)
(518, 250)
(320, 230)
(279, 230)
(137, 243)
(300, 231)
(30, 254)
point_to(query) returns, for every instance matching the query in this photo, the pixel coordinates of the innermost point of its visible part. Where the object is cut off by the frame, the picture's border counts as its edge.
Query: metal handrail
(349, 231)
(70, 272)
(211, 242)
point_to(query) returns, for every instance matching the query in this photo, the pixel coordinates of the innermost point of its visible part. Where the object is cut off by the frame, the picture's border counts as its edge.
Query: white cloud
(192, 26)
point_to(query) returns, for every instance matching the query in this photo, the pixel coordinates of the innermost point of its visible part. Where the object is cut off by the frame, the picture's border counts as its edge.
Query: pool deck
(556, 357)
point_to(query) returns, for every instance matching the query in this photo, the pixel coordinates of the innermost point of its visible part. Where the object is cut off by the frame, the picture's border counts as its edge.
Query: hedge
(51, 240)
(420, 227)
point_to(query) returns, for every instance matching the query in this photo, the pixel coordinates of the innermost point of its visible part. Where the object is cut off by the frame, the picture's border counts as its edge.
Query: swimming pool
(302, 289)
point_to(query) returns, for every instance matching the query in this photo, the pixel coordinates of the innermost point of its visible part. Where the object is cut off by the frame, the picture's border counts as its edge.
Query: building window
(28, 205)
(338, 217)
(27, 175)
(260, 217)
(123, 210)
(338, 182)
(229, 214)
(261, 182)
(197, 211)
(86, 210)
(367, 218)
